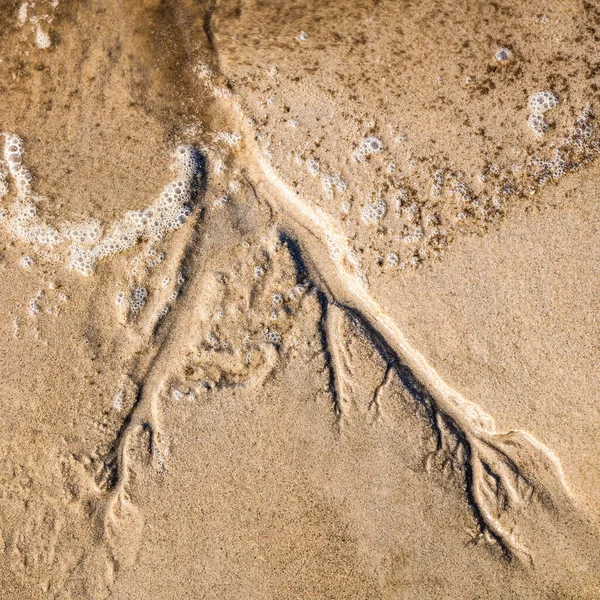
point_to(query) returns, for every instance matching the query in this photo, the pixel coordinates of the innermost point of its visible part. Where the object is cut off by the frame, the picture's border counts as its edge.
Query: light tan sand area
(299, 299)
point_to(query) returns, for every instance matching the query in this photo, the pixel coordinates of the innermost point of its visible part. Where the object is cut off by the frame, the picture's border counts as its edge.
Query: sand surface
(299, 299)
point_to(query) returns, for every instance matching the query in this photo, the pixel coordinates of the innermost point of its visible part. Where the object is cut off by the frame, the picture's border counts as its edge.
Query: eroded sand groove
(503, 470)
(149, 374)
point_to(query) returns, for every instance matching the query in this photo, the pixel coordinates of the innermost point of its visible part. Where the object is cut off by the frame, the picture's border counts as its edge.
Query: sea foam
(87, 241)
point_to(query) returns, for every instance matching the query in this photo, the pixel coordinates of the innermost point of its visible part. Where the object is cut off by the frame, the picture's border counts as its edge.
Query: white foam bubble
(22, 14)
(118, 400)
(503, 54)
(42, 39)
(367, 147)
(27, 262)
(539, 104)
(87, 242)
(231, 138)
(372, 213)
(313, 166)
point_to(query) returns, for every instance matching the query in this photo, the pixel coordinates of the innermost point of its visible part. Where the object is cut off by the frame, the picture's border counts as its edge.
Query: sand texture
(299, 299)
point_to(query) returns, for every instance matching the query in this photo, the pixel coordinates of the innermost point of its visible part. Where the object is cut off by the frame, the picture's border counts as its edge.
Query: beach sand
(298, 300)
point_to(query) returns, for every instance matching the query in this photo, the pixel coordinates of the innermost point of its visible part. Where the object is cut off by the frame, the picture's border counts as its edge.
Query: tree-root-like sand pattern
(503, 472)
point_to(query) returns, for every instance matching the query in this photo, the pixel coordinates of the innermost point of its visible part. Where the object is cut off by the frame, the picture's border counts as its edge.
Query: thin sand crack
(374, 406)
(327, 327)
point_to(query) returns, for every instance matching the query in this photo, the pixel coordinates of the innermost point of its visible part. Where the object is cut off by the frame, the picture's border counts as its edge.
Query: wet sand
(298, 300)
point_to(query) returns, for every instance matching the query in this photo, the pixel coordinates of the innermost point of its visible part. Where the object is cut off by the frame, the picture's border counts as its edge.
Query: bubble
(42, 39)
(392, 260)
(27, 262)
(313, 166)
(367, 147)
(503, 54)
(374, 212)
(540, 103)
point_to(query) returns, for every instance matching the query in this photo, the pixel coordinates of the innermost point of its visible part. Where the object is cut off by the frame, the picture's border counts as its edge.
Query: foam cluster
(168, 213)
(539, 104)
(22, 220)
(367, 147)
(272, 336)
(34, 304)
(22, 14)
(138, 299)
(118, 400)
(27, 262)
(231, 138)
(313, 166)
(42, 39)
(88, 244)
(570, 154)
(393, 260)
(331, 183)
(372, 213)
(13, 155)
